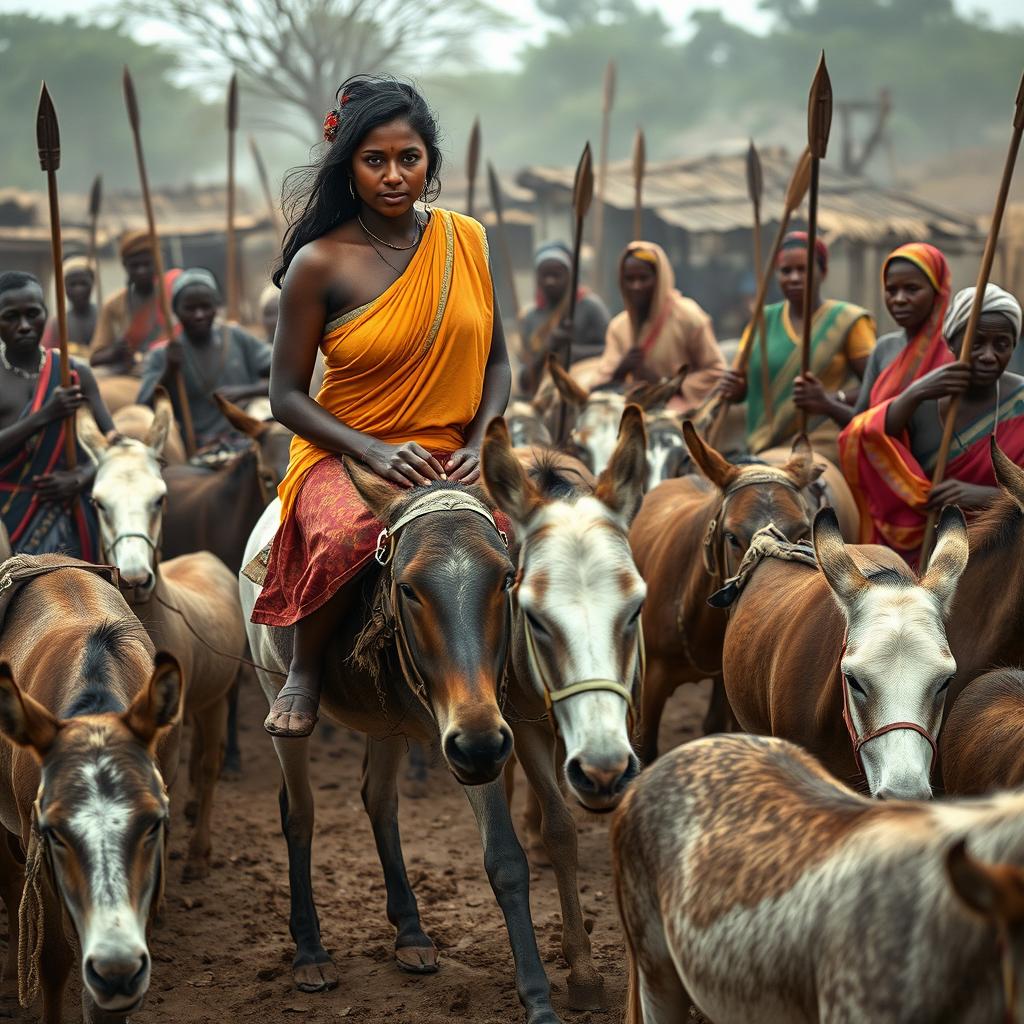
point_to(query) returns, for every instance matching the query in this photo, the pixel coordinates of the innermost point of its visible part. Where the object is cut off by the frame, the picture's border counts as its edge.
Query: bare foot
(293, 713)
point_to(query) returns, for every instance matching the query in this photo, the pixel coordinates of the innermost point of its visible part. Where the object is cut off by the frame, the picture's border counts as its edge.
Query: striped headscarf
(997, 300)
(798, 240)
(927, 349)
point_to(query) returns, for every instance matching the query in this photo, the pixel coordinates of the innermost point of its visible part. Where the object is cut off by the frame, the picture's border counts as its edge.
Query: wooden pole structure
(979, 299)
(472, 166)
(819, 121)
(95, 202)
(48, 143)
(234, 311)
(755, 190)
(132, 106)
(607, 102)
(268, 195)
(795, 192)
(582, 195)
(639, 169)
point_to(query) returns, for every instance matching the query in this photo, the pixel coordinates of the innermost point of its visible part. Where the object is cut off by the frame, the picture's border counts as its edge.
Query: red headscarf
(927, 349)
(798, 240)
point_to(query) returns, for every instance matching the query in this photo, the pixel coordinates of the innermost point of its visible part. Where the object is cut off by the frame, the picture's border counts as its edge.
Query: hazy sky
(500, 49)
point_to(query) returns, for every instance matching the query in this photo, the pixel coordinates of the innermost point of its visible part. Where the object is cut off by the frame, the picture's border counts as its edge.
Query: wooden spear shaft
(991, 243)
(232, 240)
(755, 189)
(503, 244)
(48, 142)
(132, 105)
(607, 101)
(95, 201)
(639, 169)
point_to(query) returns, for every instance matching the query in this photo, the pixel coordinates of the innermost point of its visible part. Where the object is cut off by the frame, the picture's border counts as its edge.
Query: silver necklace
(391, 245)
(17, 370)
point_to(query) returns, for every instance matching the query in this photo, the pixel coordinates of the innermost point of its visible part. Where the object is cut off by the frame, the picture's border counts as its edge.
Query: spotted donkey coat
(754, 885)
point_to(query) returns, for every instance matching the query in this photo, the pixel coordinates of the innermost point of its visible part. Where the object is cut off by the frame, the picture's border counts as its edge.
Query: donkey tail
(634, 1010)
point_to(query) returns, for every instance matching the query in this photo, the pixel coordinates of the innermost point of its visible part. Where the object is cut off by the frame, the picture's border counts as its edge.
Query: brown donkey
(189, 604)
(754, 885)
(93, 728)
(687, 539)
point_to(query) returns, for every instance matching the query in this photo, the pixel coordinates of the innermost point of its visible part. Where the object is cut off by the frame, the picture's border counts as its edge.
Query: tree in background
(82, 65)
(293, 55)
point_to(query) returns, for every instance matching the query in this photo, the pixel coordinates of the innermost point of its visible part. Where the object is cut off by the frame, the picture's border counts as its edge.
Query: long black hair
(318, 197)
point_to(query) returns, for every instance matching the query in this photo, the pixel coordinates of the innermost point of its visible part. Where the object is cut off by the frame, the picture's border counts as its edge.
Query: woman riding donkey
(401, 303)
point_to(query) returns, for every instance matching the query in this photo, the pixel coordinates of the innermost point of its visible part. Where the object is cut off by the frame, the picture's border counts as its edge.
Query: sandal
(306, 720)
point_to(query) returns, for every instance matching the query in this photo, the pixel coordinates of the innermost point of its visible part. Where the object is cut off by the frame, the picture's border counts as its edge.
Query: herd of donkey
(789, 867)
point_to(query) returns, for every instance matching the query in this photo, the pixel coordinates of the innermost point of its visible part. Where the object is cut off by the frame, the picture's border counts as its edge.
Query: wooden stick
(232, 241)
(132, 105)
(607, 101)
(472, 166)
(261, 170)
(976, 307)
(48, 143)
(755, 189)
(506, 253)
(819, 122)
(95, 202)
(639, 169)
(795, 192)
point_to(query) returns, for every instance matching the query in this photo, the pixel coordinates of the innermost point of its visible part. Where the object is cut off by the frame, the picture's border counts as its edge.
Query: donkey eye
(635, 617)
(58, 841)
(97, 504)
(732, 539)
(407, 592)
(535, 624)
(153, 832)
(945, 685)
(855, 685)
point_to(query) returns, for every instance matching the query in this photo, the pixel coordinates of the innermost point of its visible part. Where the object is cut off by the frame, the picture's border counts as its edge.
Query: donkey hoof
(320, 977)
(545, 1016)
(192, 811)
(586, 995)
(195, 870)
(417, 959)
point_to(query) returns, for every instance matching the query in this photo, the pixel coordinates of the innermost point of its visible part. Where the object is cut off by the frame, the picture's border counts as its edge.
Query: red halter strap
(858, 741)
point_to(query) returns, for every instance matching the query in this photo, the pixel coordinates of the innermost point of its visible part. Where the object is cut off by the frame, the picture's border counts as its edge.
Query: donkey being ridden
(440, 616)
(859, 680)
(189, 605)
(687, 539)
(576, 647)
(753, 884)
(82, 795)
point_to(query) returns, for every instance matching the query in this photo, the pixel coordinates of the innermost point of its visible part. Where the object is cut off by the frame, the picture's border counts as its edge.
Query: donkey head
(101, 815)
(897, 663)
(753, 496)
(272, 442)
(579, 599)
(129, 495)
(448, 587)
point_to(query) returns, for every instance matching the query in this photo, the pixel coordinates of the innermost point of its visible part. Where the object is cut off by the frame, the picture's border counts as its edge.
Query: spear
(582, 195)
(472, 165)
(639, 167)
(132, 105)
(795, 192)
(95, 201)
(232, 246)
(261, 170)
(976, 306)
(48, 143)
(819, 121)
(602, 172)
(755, 189)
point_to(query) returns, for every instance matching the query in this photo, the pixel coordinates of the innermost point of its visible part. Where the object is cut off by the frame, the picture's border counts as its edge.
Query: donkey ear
(504, 477)
(1009, 475)
(25, 721)
(843, 576)
(157, 707)
(719, 470)
(376, 493)
(89, 435)
(654, 397)
(570, 391)
(239, 419)
(996, 891)
(621, 485)
(163, 417)
(949, 557)
(801, 467)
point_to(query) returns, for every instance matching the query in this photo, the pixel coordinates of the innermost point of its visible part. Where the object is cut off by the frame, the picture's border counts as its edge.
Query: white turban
(997, 300)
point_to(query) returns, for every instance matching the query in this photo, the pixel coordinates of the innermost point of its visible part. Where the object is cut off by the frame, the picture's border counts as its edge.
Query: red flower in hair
(345, 99)
(331, 122)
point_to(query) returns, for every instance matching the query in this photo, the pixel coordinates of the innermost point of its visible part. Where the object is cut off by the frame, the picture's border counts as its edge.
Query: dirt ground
(222, 952)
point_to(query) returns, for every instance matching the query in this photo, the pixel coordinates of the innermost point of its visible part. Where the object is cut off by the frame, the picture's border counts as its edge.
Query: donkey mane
(889, 575)
(998, 527)
(553, 481)
(113, 641)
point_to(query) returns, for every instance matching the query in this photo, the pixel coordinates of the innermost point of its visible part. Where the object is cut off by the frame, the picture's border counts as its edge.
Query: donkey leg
(657, 688)
(535, 744)
(509, 875)
(719, 717)
(232, 767)
(55, 959)
(312, 969)
(414, 952)
(209, 732)
(195, 760)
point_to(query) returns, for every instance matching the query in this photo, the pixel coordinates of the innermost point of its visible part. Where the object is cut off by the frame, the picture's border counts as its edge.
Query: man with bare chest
(43, 503)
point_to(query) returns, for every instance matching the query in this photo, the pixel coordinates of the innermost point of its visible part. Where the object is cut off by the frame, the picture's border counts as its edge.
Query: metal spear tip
(755, 176)
(800, 182)
(1018, 114)
(819, 111)
(583, 185)
(96, 196)
(494, 187)
(233, 103)
(47, 132)
(639, 154)
(130, 101)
